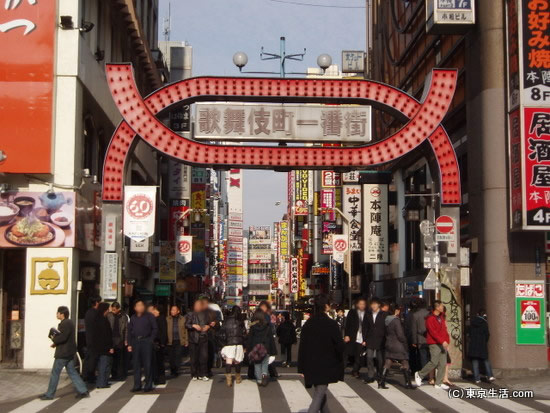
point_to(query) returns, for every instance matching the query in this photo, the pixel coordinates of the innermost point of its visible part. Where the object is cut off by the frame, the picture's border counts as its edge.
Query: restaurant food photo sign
(37, 219)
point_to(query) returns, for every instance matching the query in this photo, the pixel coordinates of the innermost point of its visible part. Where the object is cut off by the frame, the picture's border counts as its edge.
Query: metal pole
(282, 54)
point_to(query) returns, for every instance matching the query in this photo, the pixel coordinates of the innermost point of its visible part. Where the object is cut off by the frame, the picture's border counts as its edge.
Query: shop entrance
(12, 300)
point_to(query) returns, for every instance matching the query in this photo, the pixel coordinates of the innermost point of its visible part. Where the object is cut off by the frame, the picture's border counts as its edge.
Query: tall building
(57, 120)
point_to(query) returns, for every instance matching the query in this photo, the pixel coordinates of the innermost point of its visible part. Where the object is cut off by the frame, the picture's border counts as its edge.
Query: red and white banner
(184, 249)
(340, 246)
(139, 211)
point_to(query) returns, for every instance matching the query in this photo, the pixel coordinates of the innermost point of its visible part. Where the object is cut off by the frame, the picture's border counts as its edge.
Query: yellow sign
(49, 275)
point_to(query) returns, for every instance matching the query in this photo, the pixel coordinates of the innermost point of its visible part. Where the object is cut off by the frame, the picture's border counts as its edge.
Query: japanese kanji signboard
(375, 224)
(530, 313)
(301, 192)
(294, 274)
(529, 113)
(27, 40)
(139, 211)
(282, 122)
(284, 239)
(352, 209)
(449, 13)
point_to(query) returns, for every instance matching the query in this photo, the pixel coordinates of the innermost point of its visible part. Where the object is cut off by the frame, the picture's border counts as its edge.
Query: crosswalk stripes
(33, 406)
(195, 398)
(545, 402)
(348, 398)
(140, 403)
(247, 398)
(399, 399)
(457, 404)
(504, 403)
(296, 395)
(97, 397)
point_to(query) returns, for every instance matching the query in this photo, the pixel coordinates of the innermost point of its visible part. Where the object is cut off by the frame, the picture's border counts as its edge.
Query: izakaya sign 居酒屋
(139, 211)
(529, 113)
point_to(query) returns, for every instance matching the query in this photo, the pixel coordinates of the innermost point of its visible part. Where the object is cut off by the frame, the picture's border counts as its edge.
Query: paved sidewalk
(540, 385)
(20, 384)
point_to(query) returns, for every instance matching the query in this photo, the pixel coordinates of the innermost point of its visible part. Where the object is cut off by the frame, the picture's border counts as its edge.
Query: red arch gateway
(140, 120)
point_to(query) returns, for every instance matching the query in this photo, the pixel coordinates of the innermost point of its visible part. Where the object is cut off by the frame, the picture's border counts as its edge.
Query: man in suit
(353, 334)
(374, 332)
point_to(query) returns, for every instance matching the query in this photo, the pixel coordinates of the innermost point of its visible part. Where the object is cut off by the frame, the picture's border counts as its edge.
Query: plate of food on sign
(31, 232)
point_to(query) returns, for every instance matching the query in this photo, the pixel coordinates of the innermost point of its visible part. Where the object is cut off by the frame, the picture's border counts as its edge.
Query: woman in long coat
(477, 349)
(320, 355)
(396, 347)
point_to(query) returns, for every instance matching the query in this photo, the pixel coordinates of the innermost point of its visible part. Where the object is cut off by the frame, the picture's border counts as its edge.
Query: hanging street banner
(340, 247)
(352, 209)
(375, 224)
(184, 249)
(294, 275)
(283, 122)
(529, 113)
(139, 211)
(530, 312)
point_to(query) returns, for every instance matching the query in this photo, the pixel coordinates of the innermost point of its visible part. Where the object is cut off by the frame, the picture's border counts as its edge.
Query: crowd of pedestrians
(373, 334)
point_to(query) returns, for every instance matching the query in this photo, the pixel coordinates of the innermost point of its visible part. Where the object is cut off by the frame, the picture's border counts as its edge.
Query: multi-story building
(57, 118)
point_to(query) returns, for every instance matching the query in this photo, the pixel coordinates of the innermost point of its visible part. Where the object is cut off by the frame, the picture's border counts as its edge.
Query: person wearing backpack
(260, 345)
(287, 337)
(232, 335)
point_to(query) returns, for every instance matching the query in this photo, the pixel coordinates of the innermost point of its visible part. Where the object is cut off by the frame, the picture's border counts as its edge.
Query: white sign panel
(184, 249)
(294, 274)
(351, 203)
(110, 232)
(179, 180)
(350, 177)
(353, 61)
(139, 211)
(375, 222)
(109, 282)
(139, 246)
(339, 247)
(283, 122)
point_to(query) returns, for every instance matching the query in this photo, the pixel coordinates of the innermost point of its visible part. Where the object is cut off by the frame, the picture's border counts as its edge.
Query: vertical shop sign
(294, 275)
(109, 281)
(301, 192)
(352, 209)
(375, 223)
(530, 312)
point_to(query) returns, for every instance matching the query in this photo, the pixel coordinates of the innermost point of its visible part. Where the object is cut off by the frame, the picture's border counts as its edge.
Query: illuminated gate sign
(421, 122)
(282, 122)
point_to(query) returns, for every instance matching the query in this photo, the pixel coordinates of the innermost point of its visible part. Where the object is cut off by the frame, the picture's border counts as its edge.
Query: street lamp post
(240, 59)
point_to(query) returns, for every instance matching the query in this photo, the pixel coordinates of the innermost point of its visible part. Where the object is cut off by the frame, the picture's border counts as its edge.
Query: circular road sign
(444, 224)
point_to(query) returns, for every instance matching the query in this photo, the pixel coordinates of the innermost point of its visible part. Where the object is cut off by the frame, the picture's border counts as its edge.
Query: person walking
(396, 347)
(177, 339)
(374, 332)
(261, 345)
(477, 348)
(119, 326)
(197, 326)
(142, 330)
(63, 340)
(341, 319)
(437, 338)
(233, 334)
(353, 334)
(90, 327)
(159, 346)
(266, 308)
(320, 354)
(418, 332)
(103, 346)
(287, 337)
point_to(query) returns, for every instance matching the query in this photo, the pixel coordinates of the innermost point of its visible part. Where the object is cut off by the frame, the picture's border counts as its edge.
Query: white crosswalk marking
(33, 406)
(457, 404)
(140, 403)
(546, 402)
(196, 397)
(349, 400)
(97, 397)
(296, 395)
(504, 403)
(399, 399)
(246, 397)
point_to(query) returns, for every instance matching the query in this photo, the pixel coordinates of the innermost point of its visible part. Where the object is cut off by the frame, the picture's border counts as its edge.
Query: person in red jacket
(437, 339)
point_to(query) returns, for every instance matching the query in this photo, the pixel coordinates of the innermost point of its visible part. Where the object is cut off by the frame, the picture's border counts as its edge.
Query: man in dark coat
(320, 355)
(353, 334)
(197, 325)
(418, 332)
(90, 326)
(119, 326)
(142, 330)
(374, 331)
(477, 349)
(65, 349)
(177, 338)
(287, 337)
(159, 345)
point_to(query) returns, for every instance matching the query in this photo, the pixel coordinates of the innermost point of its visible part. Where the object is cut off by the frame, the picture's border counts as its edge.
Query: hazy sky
(218, 28)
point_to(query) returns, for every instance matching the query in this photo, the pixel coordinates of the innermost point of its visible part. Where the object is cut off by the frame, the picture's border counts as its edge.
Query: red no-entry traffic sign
(444, 224)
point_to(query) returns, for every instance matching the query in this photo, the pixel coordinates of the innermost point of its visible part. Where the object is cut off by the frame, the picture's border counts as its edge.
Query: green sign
(163, 290)
(530, 312)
